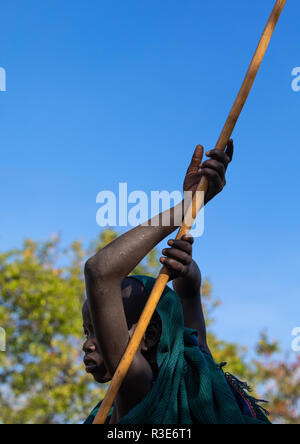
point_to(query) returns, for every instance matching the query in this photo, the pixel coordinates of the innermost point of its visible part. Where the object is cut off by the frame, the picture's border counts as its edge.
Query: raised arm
(105, 272)
(121, 256)
(187, 284)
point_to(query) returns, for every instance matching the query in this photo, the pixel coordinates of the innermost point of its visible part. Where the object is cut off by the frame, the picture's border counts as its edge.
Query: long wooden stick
(190, 217)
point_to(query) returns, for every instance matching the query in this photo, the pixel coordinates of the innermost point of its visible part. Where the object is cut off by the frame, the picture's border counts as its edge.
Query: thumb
(196, 160)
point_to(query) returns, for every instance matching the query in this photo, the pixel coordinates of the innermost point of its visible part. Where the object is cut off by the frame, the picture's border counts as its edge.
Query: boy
(173, 378)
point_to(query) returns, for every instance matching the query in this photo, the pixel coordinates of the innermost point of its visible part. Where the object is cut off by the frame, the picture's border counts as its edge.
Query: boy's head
(134, 299)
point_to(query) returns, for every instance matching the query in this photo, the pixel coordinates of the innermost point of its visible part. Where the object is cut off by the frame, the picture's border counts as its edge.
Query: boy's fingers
(188, 238)
(215, 178)
(182, 245)
(215, 165)
(230, 149)
(173, 265)
(196, 160)
(178, 255)
(220, 156)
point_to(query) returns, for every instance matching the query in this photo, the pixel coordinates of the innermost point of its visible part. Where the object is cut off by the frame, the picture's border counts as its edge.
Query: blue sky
(102, 92)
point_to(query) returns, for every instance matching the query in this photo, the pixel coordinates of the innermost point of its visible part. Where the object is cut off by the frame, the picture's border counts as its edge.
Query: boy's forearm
(189, 286)
(122, 255)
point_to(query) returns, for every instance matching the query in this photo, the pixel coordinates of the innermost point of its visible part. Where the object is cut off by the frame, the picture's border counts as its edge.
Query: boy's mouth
(90, 365)
(98, 370)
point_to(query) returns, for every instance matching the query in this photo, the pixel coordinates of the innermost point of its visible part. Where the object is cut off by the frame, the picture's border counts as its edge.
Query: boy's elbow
(89, 268)
(95, 269)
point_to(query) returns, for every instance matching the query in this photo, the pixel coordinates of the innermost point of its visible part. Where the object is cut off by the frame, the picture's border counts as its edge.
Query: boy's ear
(152, 335)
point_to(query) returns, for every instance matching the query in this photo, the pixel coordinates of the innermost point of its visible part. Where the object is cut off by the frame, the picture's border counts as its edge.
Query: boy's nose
(89, 346)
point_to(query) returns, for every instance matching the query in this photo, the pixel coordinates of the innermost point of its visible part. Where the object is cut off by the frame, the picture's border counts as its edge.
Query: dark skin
(134, 297)
(109, 322)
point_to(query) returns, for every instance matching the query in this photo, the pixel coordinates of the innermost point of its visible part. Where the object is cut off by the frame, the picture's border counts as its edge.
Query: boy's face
(93, 360)
(134, 299)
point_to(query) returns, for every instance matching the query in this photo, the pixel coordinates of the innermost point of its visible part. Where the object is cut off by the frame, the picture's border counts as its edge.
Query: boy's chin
(99, 373)
(102, 379)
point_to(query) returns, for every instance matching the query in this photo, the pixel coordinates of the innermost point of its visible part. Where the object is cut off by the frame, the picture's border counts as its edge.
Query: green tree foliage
(279, 380)
(273, 377)
(41, 293)
(41, 374)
